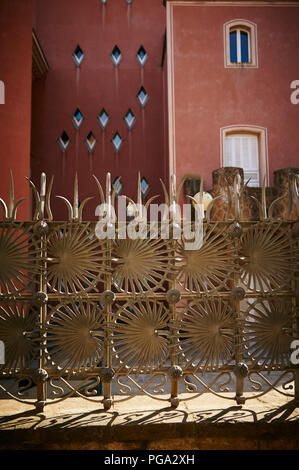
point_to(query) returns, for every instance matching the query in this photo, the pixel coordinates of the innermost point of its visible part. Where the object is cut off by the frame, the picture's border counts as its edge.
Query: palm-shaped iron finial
(10, 212)
(75, 210)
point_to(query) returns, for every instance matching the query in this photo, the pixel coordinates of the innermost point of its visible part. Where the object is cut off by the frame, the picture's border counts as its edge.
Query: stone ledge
(207, 423)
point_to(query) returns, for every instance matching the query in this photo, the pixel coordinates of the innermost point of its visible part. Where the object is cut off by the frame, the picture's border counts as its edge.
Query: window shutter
(228, 152)
(241, 150)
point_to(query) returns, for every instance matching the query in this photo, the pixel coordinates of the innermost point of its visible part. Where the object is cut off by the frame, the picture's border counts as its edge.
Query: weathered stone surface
(224, 177)
(207, 423)
(284, 180)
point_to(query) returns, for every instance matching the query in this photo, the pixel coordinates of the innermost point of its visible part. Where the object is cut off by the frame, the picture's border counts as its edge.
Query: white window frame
(261, 133)
(251, 29)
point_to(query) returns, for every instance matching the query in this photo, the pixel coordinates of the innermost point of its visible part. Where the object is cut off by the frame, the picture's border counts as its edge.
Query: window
(241, 150)
(78, 55)
(77, 118)
(130, 119)
(64, 141)
(144, 186)
(117, 185)
(142, 96)
(246, 147)
(103, 119)
(116, 55)
(90, 142)
(142, 55)
(117, 142)
(240, 44)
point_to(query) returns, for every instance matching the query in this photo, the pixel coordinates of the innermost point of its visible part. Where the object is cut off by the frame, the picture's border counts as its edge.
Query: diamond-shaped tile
(130, 119)
(78, 55)
(142, 96)
(142, 55)
(90, 142)
(64, 141)
(117, 142)
(116, 55)
(103, 119)
(77, 118)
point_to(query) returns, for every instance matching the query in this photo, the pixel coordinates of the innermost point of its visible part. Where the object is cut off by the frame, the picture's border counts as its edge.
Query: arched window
(246, 147)
(241, 150)
(240, 44)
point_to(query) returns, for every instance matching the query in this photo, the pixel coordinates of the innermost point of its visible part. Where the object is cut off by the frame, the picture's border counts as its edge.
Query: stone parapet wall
(206, 423)
(223, 182)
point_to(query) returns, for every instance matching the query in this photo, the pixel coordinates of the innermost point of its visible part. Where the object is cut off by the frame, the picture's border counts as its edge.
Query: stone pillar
(284, 180)
(223, 181)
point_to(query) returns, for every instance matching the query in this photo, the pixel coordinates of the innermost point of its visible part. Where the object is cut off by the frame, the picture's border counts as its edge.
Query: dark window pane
(244, 47)
(233, 46)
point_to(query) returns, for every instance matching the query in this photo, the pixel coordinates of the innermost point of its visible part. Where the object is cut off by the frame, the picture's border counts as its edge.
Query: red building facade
(213, 101)
(173, 103)
(15, 113)
(117, 78)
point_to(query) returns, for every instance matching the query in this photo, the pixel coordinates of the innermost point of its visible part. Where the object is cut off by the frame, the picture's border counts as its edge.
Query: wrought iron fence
(106, 320)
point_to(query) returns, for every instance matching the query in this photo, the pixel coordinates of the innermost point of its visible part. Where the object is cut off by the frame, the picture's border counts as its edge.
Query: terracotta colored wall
(165, 118)
(61, 25)
(209, 96)
(15, 114)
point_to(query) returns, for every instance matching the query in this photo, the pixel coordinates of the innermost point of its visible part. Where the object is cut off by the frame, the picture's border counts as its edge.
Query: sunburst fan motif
(18, 321)
(75, 259)
(75, 335)
(16, 266)
(267, 332)
(140, 335)
(207, 334)
(209, 268)
(141, 265)
(269, 257)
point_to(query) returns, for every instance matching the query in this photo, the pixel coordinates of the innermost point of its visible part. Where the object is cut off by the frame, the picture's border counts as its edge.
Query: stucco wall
(205, 96)
(61, 26)
(15, 114)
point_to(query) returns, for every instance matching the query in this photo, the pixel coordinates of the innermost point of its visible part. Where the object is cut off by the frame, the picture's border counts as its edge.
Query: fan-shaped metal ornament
(269, 257)
(142, 265)
(75, 258)
(140, 335)
(212, 266)
(17, 251)
(207, 334)
(75, 335)
(268, 333)
(18, 328)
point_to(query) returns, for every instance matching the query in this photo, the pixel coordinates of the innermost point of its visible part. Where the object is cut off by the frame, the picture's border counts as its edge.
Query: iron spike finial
(42, 198)
(139, 195)
(75, 210)
(10, 212)
(237, 196)
(76, 197)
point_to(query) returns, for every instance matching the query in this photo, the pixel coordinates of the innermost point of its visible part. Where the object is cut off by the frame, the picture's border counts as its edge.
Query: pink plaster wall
(209, 96)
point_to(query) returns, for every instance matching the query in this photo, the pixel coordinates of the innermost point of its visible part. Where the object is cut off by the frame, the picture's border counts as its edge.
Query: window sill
(241, 65)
